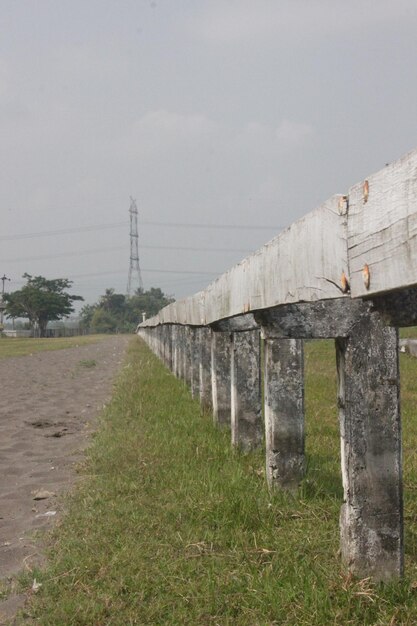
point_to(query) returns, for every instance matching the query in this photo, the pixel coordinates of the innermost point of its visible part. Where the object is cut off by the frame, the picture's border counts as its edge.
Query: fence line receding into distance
(348, 271)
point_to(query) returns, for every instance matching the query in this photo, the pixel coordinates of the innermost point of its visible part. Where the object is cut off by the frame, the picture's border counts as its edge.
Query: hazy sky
(216, 112)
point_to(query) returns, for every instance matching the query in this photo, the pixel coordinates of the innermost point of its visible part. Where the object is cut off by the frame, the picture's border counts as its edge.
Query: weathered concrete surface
(220, 377)
(168, 345)
(372, 514)
(175, 350)
(236, 324)
(284, 412)
(382, 229)
(246, 413)
(195, 362)
(188, 356)
(398, 308)
(183, 351)
(312, 320)
(204, 335)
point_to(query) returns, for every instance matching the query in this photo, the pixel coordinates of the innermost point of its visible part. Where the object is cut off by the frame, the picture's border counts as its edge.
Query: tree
(104, 322)
(117, 312)
(41, 301)
(113, 302)
(149, 302)
(86, 315)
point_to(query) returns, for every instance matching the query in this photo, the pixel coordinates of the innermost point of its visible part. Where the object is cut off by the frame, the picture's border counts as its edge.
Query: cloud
(292, 134)
(211, 163)
(11, 107)
(162, 131)
(244, 20)
(174, 123)
(4, 79)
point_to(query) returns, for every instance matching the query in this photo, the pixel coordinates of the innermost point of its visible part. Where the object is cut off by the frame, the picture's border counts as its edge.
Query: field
(24, 346)
(49, 404)
(170, 526)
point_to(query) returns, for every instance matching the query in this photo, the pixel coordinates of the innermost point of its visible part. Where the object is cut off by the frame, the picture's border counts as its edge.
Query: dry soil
(49, 403)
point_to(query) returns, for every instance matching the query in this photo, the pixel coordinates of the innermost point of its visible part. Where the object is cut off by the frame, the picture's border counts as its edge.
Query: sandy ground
(48, 405)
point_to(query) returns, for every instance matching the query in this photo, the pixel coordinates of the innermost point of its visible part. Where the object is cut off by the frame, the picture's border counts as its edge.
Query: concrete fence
(348, 271)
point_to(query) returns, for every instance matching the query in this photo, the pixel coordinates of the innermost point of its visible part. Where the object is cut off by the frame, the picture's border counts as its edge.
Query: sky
(226, 120)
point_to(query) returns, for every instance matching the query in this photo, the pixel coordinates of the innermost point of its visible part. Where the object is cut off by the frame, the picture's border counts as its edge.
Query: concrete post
(205, 368)
(246, 411)
(371, 519)
(220, 377)
(159, 342)
(284, 412)
(195, 362)
(163, 344)
(184, 337)
(175, 351)
(181, 351)
(168, 346)
(188, 362)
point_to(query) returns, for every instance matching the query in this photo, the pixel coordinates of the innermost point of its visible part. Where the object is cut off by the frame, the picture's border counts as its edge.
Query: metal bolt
(343, 205)
(344, 281)
(366, 276)
(365, 191)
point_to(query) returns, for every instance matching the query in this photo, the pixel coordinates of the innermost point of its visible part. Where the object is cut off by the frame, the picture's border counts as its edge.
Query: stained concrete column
(158, 337)
(195, 362)
(175, 351)
(158, 333)
(168, 346)
(184, 336)
(284, 412)
(371, 519)
(147, 337)
(155, 340)
(188, 355)
(205, 368)
(246, 412)
(163, 344)
(220, 377)
(152, 338)
(180, 358)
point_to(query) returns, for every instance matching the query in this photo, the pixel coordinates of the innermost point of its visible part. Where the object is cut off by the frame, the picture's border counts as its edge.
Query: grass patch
(170, 526)
(87, 363)
(408, 333)
(23, 346)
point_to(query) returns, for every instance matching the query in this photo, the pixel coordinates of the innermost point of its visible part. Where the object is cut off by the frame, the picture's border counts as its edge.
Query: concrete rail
(347, 271)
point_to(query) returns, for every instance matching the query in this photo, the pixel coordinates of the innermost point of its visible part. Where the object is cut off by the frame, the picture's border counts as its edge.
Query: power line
(96, 287)
(164, 281)
(197, 249)
(80, 229)
(63, 231)
(120, 249)
(150, 271)
(214, 226)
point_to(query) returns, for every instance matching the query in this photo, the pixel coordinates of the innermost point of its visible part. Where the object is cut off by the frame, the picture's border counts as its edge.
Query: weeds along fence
(348, 271)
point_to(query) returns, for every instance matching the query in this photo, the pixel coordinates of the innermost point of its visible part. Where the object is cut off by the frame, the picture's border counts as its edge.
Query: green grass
(170, 526)
(24, 346)
(409, 333)
(87, 363)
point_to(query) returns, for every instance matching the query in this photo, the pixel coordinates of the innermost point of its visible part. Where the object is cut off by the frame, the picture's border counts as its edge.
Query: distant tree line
(115, 312)
(42, 301)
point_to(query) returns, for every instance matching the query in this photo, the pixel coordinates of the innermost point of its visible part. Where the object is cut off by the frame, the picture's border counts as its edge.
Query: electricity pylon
(135, 276)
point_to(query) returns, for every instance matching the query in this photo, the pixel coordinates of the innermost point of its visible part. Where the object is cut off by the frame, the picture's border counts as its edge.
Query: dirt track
(48, 405)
